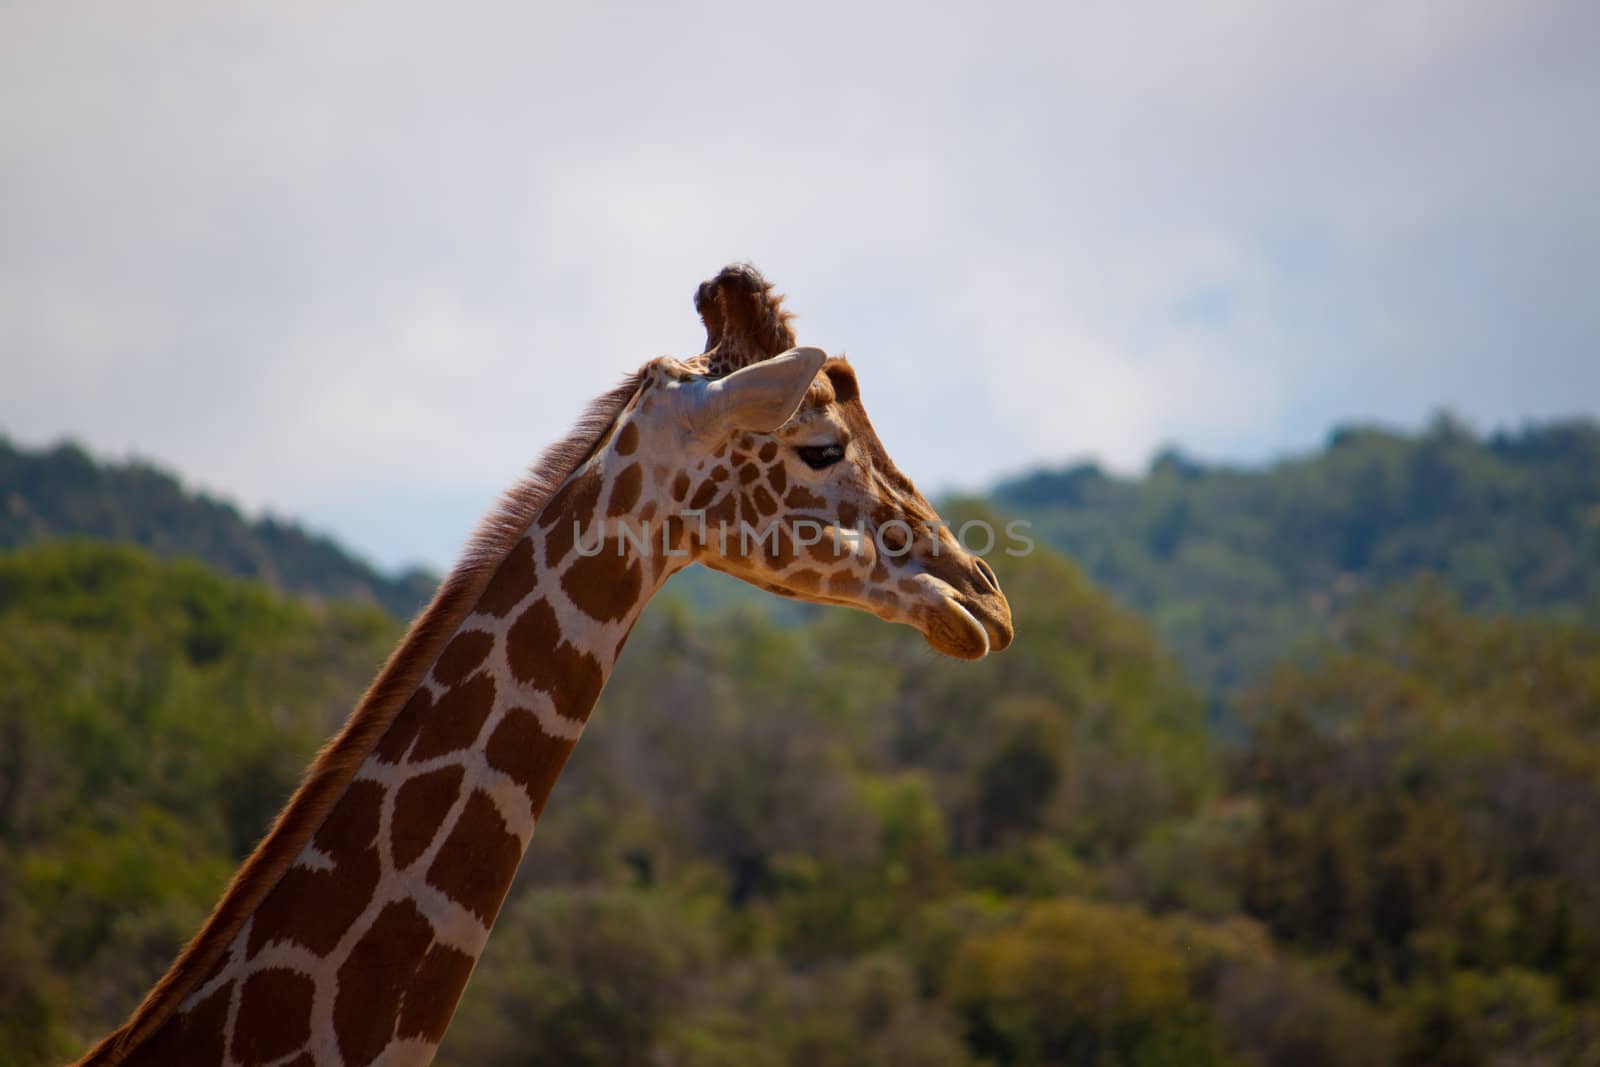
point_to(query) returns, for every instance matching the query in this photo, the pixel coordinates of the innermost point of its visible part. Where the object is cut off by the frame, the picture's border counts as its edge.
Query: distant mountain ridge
(64, 492)
(1235, 566)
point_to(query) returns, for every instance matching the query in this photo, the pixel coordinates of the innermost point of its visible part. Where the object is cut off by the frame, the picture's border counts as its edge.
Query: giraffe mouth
(968, 620)
(952, 629)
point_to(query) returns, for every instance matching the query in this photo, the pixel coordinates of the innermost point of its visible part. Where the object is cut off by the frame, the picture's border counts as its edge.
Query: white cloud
(329, 259)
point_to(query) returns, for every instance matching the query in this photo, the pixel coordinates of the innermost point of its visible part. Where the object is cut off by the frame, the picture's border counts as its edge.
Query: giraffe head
(780, 480)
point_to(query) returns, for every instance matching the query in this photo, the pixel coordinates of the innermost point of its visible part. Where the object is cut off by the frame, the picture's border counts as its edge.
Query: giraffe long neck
(361, 950)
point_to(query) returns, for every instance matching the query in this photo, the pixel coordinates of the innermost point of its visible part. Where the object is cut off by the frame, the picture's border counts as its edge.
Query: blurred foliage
(815, 842)
(1429, 825)
(153, 719)
(1235, 567)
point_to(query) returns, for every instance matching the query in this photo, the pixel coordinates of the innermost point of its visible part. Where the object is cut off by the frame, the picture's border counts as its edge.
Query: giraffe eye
(819, 456)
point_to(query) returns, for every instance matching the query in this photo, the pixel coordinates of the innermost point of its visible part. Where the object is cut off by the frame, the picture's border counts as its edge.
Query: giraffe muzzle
(966, 625)
(967, 616)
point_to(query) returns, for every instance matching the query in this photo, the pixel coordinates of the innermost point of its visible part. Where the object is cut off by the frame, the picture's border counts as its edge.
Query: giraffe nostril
(988, 574)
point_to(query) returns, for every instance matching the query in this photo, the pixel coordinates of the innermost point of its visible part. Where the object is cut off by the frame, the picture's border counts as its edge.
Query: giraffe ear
(760, 397)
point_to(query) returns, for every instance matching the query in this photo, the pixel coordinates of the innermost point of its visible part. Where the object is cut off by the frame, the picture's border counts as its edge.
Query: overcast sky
(357, 263)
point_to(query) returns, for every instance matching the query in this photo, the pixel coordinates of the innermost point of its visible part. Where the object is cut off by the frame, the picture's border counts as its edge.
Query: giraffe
(348, 936)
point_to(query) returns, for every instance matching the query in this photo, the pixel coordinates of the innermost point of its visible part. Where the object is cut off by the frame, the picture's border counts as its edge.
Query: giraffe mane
(337, 762)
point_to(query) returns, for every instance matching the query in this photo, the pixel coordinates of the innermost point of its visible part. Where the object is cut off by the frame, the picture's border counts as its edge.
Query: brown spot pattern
(397, 739)
(532, 641)
(475, 865)
(513, 580)
(605, 586)
(420, 805)
(274, 1015)
(558, 542)
(577, 496)
(456, 720)
(844, 584)
(625, 490)
(463, 655)
(783, 549)
(315, 908)
(805, 578)
(224, 961)
(628, 438)
(353, 823)
(194, 1036)
(434, 991)
(703, 495)
(571, 509)
(522, 751)
(374, 978)
(574, 682)
(800, 498)
(724, 512)
(763, 500)
(680, 486)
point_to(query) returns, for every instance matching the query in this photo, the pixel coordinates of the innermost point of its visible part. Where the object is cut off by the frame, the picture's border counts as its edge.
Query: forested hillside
(805, 840)
(153, 718)
(65, 492)
(818, 845)
(1235, 566)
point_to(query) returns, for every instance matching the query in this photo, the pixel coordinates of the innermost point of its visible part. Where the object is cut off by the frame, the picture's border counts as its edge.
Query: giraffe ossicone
(347, 937)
